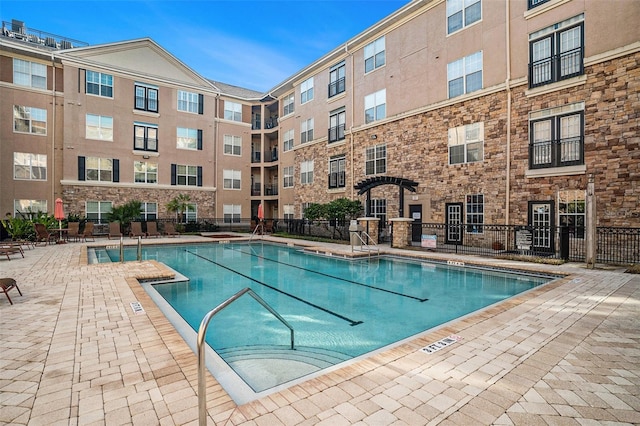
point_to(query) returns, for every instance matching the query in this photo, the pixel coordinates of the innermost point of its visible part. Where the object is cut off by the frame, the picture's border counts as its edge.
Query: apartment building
(447, 111)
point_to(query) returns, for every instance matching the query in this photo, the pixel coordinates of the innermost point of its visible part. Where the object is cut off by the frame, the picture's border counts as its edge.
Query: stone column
(591, 234)
(401, 232)
(371, 226)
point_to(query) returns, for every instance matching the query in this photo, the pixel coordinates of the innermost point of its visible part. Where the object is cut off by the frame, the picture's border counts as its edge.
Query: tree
(336, 211)
(179, 205)
(125, 214)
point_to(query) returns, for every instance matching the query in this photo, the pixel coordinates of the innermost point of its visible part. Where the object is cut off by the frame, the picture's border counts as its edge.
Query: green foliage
(179, 205)
(44, 218)
(125, 213)
(18, 228)
(315, 211)
(339, 210)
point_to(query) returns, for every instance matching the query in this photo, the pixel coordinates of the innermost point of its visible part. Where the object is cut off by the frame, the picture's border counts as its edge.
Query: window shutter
(81, 72)
(200, 103)
(116, 170)
(81, 169)
(199, 175)
(199, 139)
(173, 174)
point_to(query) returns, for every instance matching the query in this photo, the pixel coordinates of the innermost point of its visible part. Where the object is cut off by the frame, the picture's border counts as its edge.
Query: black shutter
(116, 170)
(199, 175)
(173, 174)
(81, 169)
(199, 139)
(200, 103)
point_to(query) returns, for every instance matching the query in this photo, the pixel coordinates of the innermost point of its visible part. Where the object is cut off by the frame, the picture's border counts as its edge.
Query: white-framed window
(337, 79)
(232, 111)
(97, 211)
(146, 97)
(375, 106)
(572, 211)
(27, 166)
(303, 209)
(337, 172)
(186, 175)
(231, 179)
(289, 210)
(375, 160)
(149, 211)
(232, 145)
(462, 13)
(29, 120)
(288, 104)
(145, 137)
(287, 143)
(188, 138)
(287, 172)
(378, 208)
(306, 90)
(191, 213)
(99, 169)
(475, 213)
(99, 84)
(99, 127)
(337, 124)
(556, 137)
(374, 55)
(190, 102)
(232, 213)
(306, 131)
(306, 172)
(24, 208)
(29, 74)
(465, 75)
(145, 172)
(466, 143)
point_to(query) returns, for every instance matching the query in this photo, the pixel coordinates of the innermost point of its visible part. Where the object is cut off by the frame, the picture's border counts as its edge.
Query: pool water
(339, 308)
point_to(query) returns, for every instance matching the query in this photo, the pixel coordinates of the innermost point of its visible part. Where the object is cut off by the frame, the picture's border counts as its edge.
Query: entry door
(541, 219)
(453, 223)
(415, 210)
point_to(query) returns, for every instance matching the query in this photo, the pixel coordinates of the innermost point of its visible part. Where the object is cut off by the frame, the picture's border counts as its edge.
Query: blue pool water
(339, 308)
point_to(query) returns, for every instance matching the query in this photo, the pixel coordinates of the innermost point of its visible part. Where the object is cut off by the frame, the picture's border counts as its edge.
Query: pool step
(320, 358)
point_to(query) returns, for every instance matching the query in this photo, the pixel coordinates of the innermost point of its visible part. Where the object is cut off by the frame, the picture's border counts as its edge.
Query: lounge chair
(152, 229)
(9, 249)
(114, 230)
(136, 230)
(7, 284)
(170, 229)
(73, 231)
(88, 231)
(43, 235)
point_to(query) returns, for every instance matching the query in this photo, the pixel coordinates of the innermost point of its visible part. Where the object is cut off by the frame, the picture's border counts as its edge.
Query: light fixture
(146, 157)
(374, 136)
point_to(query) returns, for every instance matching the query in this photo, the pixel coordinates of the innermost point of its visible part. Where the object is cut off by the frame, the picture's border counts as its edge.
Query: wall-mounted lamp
(146, 157)
(374, 136)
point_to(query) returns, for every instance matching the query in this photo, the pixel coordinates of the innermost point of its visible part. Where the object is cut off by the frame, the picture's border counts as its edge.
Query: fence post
(591, 225)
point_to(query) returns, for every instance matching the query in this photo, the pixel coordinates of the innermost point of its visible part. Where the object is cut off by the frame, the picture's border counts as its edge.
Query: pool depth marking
(332, 276)
(306, 302)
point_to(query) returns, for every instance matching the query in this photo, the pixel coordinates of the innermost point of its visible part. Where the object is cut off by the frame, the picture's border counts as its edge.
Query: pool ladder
(260, 227)
(202, 332)
(364, 245)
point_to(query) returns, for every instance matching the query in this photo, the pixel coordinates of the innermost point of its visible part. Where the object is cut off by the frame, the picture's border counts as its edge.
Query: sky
(251, 44)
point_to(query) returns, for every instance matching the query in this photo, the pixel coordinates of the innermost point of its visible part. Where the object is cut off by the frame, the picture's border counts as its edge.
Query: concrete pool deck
(73, 352)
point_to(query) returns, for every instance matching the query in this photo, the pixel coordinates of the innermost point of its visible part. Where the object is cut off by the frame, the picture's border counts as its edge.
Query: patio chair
(136, 230)
(88, 231)
(7, 284)
(9, 249)
(43, 235)
(73, 231)
(170, 229)
(114, 230)
(152, 229)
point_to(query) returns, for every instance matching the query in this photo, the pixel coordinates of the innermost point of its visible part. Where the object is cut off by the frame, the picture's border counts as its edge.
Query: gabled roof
(236, 91)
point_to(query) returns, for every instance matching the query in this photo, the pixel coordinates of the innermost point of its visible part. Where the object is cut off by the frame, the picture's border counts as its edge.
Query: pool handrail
(364, 244)
(202, 332)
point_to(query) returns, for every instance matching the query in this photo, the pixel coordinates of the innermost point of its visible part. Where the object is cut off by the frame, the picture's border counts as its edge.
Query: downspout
(508, 89)
(53, 132)
(346, 50)
(215, 154)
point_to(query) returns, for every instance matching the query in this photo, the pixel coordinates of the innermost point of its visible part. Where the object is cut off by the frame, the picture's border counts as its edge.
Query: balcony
(270, 190)
(556, 153)
(255, 190)
(337, 180)
(336, 133)
(556, 68)
(267, 156)
(336, 87)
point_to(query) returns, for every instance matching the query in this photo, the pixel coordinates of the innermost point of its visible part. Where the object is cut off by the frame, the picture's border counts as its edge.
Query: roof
(236, 91)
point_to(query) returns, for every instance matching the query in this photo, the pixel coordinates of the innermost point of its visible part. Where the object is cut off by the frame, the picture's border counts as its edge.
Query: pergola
(366, 185)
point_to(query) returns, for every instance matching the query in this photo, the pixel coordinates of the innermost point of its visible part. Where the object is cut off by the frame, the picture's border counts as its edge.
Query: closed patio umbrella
(260, 212)
(58, 213)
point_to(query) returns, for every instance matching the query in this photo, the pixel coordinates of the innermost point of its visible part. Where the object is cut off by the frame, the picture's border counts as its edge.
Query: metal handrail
(202, 332)
(364, 243)
(260, 226)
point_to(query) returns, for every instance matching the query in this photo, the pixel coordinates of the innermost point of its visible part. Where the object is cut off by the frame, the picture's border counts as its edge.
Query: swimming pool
(339, 308)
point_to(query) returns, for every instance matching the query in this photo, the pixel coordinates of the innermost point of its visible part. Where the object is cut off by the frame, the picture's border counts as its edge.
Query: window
(288, 177)
(337, 167)
(99, 84)
(288, 140)
(232, 145)
(475, 213)
(149, 211)
(97, 211)
(337, 120)
(556, 137)
(306, 90)
(534, 3)
(306, 131)
(190, 102)
(465, 75)
(189, 138)
(303, 209)
(288, 104)
(145, 137)
(146, 97)
(99, 169)
(29, 74)
(571, 211)
(232, 111)
(337, 79)
(145, 172)
(289, 211)
(29, 120)
(374, 55)
(99, 127)
(185, 175)
(378, 208)
(24, 208)
(306, 172)
(556, 53)
(375, 106)
(462, 13)
(232, 213)
(231, 179)
(191, 213)
(466, 144)
(376, 160)
(28, 166)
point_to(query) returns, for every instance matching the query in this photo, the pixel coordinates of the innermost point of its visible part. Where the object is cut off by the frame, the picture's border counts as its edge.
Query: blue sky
(252, 44)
